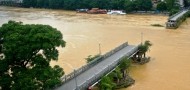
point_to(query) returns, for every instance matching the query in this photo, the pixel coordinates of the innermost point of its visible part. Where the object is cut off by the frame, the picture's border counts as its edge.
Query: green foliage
(128, 5)
(157, 25)
(91, 58)
(171, 4)
(161, 6)
(107, 83)
(125, 63)
(145, 47)
(29, 3)
(116, 73)
(27, 51)
(173, 11)
(110, 82)
(186, 3)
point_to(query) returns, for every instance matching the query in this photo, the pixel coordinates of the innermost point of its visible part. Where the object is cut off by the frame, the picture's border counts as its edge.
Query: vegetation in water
(157, 25)
(26, 52)
(119, 78)
(145, 47)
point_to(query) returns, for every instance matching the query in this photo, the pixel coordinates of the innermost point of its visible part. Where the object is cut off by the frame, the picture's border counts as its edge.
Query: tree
(171, 4)
(124, 65)
(56, 4)
(147, 5)
(106, 83)
(186, 3)
(145, 47)
(173, 11)
(161, 6)
(144, 5)
(26, 53)
(29, 3)
(42, 4)
(129, 5)
(117, 4)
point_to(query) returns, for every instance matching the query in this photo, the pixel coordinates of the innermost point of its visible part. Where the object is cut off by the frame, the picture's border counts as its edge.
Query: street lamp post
(141, 38)
(74, 73)
(99, 48)
(75, 79)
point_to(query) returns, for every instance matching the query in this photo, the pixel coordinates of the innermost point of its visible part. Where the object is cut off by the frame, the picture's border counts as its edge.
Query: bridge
(175, 20)
(92, 72)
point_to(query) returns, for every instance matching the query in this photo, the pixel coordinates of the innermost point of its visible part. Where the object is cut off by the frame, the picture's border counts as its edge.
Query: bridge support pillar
(140, 58)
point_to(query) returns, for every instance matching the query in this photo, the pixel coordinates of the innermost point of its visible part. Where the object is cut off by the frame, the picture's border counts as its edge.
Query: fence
(92, 63)
(96, 77)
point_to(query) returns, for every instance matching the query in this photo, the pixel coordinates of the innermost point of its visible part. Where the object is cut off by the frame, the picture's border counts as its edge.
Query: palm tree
(144, 48)
(107, 83)
(125, 63)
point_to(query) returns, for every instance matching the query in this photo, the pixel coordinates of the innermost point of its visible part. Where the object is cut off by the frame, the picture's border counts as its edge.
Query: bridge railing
(175, 14)
(96, 77)
(92, 63)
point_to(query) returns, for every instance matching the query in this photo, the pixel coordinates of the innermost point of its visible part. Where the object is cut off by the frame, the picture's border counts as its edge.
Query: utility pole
(74, 73)
(75, 79)
(99, 48)
(141, 38)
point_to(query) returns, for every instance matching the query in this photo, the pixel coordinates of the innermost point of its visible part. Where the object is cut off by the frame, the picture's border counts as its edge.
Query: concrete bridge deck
(95, 73)
(175, 20)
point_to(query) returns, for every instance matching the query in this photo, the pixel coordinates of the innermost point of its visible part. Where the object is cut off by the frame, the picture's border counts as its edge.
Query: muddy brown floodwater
(169, 68)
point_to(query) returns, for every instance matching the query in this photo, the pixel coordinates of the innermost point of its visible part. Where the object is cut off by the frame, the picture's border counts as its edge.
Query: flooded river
(169, 68)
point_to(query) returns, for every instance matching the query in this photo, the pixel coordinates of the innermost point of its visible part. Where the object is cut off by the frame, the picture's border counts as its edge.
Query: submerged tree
(144, 47)
(26, 52)
(107, 83)
(124, 65)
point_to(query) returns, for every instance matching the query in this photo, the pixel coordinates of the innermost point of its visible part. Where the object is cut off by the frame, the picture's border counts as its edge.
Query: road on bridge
(178, 15)
(83, 77)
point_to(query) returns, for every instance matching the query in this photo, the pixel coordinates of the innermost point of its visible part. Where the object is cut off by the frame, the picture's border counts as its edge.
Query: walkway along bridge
(92, 72)
(175, 20)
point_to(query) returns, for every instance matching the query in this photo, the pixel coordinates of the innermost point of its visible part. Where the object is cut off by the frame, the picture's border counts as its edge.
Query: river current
(169, 68)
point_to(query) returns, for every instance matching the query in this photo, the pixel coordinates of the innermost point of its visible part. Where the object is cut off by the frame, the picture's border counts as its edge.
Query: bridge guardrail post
(89, 65)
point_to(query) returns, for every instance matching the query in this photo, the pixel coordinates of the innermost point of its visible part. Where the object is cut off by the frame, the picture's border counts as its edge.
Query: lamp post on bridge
(74, 73)
(99, 48)
(141, 38)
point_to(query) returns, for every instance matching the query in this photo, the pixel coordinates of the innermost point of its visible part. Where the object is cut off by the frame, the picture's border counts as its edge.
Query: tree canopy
(26, 52)
(145, 47)
(103, 4)
(161, 6)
